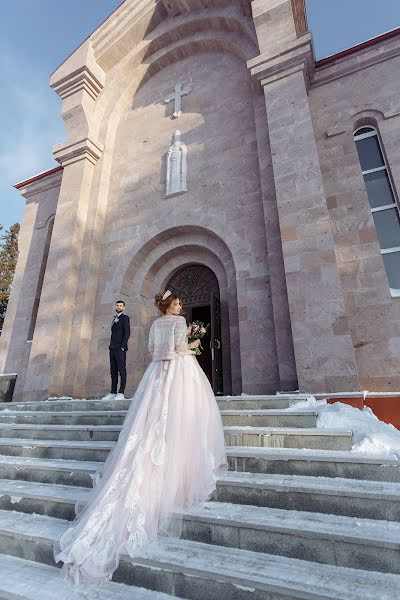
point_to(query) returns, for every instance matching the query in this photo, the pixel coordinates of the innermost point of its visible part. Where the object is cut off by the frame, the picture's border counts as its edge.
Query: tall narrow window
(40, 281)
(382, 200)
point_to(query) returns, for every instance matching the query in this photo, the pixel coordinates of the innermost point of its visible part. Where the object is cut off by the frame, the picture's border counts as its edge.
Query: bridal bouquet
(196, 331)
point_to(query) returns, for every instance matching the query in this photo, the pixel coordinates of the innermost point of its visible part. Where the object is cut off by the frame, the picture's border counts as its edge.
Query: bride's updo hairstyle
(163, 303)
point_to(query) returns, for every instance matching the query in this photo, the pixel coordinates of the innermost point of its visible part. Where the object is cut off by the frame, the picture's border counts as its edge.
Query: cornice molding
(358, 47)
(36, 177)
(32, 187)
(82, 79)
(85, 149)
(363, 58)
(297, 56)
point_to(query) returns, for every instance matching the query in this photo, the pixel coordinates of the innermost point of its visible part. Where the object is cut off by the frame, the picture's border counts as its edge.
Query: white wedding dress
(167, 458)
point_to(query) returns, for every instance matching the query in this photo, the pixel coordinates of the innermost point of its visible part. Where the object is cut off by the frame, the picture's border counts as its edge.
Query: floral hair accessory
(167, 293)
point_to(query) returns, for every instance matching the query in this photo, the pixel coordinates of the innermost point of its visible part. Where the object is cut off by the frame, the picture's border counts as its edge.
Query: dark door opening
(203, 313)
(198, 288)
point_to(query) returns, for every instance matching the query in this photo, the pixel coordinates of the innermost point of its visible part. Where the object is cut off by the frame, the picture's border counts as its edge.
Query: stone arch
(39, 286)
(222, 23)
(171, 238)
(173, 40)
(122, 86)
(150, 269)
(46, 222)
(199, 22)
(366, 118)
(349, 122)
(132, 75)
(232, 36)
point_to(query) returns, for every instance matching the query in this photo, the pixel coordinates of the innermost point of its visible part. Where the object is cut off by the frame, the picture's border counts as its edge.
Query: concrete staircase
(298, 516)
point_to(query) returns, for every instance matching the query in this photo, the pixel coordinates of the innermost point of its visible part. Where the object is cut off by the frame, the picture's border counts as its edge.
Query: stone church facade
(285, 233)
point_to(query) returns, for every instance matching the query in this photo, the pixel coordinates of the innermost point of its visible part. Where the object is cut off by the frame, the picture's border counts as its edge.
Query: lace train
(167, 458)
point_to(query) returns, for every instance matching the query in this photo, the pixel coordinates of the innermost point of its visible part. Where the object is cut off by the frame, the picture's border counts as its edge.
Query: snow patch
(244, 588)
(15, 499)
(370, 435)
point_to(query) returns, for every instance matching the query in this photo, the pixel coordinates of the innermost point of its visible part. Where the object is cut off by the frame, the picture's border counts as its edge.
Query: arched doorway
(198, 288)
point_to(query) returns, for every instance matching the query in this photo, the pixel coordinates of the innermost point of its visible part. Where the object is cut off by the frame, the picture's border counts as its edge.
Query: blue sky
(37, 35)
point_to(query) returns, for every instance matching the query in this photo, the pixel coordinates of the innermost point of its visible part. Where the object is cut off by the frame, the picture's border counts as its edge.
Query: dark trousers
(117, 365)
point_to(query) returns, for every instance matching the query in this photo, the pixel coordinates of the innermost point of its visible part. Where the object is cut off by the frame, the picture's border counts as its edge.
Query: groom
(120, 332)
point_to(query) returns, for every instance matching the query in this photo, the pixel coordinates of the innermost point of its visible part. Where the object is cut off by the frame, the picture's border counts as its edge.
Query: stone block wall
(276, 204)
(222, 207)
(356, 90)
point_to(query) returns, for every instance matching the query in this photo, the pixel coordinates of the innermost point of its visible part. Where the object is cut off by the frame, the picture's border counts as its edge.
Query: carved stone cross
(179, 91)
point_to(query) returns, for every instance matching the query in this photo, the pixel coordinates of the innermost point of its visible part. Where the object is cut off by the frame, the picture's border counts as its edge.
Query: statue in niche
(176, 167)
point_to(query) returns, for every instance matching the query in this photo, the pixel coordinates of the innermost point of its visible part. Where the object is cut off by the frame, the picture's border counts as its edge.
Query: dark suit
(120, 332)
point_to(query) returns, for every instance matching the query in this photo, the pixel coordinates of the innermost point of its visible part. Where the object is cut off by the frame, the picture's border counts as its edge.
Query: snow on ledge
(394, 293)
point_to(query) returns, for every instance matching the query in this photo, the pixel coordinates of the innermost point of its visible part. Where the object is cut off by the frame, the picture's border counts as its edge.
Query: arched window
(40, 280)
(382, 200)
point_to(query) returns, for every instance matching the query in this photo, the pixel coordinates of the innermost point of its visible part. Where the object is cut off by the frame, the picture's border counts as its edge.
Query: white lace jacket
(168, 338)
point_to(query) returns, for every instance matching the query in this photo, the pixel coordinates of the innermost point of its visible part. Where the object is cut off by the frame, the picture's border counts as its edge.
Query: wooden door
(216, 346)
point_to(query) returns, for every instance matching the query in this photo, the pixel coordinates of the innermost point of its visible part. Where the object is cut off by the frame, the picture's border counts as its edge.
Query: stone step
(61, 432)
(348, 497)
(269, 418)
(195, 570)
(286, 437)
(256, 402)
(65, 472)
(27, 580)
(282, 437)
(257, 418)
(69, 450)
(83, 417)
(41, 498)
(201, 571)
(66, 405)
(330, 539)
(224, 402)
(324, 463)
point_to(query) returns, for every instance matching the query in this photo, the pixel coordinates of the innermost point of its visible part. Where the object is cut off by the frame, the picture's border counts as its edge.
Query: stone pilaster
(41, 194)
(78, 82)
(323, 347)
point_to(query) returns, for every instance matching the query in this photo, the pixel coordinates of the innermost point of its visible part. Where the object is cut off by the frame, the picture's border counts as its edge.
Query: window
(40, 281)
(382, 200)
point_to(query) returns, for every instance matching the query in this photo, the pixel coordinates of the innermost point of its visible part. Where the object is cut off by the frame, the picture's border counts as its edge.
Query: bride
(167, 458)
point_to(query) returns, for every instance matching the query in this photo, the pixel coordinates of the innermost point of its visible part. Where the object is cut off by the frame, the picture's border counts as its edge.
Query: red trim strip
(386, 408)
(380, 38)
(37, 177)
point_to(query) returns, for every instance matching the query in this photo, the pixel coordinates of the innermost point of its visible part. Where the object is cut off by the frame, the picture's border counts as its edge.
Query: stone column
(323, 347)
(13, 347)
(50, 371)
(15, 342)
